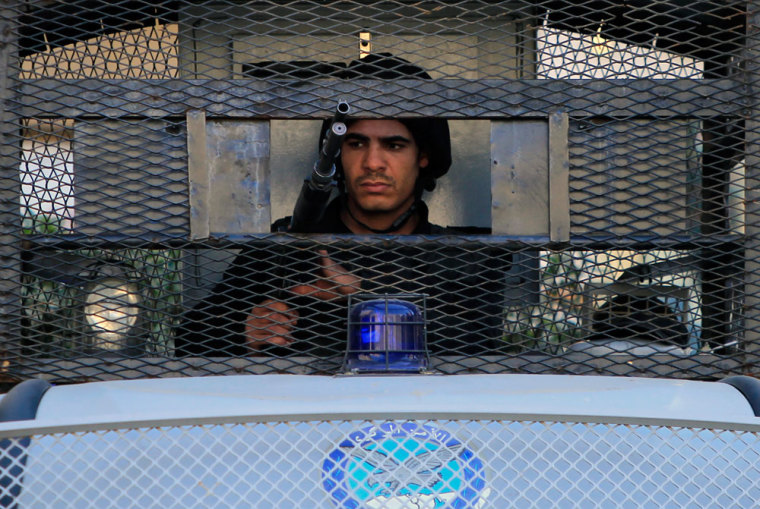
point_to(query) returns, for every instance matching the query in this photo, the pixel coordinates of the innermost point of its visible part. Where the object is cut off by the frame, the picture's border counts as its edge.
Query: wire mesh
(147, 147)
(410, 463)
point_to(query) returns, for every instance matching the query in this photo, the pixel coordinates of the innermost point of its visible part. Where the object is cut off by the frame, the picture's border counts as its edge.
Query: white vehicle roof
(579, 397)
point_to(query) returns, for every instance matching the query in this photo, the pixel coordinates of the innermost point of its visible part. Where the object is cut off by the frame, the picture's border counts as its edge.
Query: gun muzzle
(324, 170)
(341, 111)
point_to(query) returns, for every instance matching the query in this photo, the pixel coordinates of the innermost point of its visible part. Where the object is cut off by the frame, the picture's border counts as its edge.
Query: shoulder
(434, 229)
(281, 225)
(330, 222)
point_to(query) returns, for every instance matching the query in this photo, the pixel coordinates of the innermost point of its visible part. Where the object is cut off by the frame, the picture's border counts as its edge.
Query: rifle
(316, 190)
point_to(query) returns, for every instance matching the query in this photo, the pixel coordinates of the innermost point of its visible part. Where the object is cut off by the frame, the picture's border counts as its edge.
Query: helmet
(430, 134)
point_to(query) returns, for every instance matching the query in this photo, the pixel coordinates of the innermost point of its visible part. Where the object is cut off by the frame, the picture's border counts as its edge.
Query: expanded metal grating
(601, 202)
(403, 463)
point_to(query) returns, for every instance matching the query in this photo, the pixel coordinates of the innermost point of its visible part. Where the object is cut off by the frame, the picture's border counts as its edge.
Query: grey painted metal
(228, 176)
(10, 271)
(462, 197)
(752, 187)
(239, 182)
(464, 98)
(198, 174)
(520, 177)
(559, 177)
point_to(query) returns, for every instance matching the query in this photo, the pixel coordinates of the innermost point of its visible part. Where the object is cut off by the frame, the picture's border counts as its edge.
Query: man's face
(381, 162)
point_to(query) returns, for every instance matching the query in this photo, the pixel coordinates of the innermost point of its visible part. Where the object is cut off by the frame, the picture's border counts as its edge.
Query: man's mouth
(375, 186)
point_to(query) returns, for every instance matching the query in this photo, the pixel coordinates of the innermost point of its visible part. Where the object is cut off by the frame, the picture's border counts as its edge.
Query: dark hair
(432, 137)
(430, 134)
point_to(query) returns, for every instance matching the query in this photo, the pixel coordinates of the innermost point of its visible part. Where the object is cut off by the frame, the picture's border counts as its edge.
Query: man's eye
(354, 144)
(396, 146)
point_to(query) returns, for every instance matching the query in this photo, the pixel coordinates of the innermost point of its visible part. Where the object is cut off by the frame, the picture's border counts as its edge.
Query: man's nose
(373, 158)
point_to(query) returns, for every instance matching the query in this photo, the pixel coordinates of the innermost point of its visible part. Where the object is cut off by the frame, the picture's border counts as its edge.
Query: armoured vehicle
(594, 343)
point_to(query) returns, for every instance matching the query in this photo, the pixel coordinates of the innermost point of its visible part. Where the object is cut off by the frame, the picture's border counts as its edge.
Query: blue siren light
(386, 335)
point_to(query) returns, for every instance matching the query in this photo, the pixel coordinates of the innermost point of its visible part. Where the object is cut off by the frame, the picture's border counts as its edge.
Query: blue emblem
(404, 464)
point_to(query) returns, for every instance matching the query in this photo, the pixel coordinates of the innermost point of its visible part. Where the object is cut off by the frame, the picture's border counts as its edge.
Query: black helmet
(430, 134)
(384, 66)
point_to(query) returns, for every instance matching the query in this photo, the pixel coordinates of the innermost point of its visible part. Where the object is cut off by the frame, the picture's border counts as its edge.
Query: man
(381, 162)
(287, 300)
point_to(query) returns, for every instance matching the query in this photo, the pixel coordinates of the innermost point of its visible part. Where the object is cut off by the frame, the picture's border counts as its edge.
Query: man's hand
(270, 323)
(335, 281)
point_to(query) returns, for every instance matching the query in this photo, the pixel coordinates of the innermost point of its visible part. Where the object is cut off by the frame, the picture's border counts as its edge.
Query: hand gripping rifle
(316, 190)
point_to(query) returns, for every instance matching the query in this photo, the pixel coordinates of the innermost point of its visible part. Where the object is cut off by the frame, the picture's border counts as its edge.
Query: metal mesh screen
(600, 204)
(413, 463)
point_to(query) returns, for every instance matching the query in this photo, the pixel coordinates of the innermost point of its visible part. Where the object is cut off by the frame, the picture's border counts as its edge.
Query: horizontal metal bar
(451, 98)
(729, 243)
(153, 240)
(703, 366)
(263, 239)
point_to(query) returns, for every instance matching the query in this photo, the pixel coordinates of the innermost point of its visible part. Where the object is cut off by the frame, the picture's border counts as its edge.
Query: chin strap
(397, 224)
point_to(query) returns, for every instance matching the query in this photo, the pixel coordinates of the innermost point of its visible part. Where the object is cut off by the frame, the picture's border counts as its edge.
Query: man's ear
(422, 160)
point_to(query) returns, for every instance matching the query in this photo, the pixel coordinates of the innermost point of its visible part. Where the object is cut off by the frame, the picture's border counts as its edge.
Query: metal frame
(723, 94)
(491, 98)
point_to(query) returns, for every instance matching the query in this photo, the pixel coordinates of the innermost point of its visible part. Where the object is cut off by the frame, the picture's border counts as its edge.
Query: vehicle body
(387, 441)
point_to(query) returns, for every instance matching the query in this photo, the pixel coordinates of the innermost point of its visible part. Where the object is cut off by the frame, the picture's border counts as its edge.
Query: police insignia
(404, 464)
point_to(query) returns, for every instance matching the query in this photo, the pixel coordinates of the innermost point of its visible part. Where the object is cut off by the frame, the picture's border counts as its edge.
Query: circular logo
(403, 464)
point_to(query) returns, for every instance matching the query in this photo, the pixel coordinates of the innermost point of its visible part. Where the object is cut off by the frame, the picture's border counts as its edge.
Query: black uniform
(464, 307)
